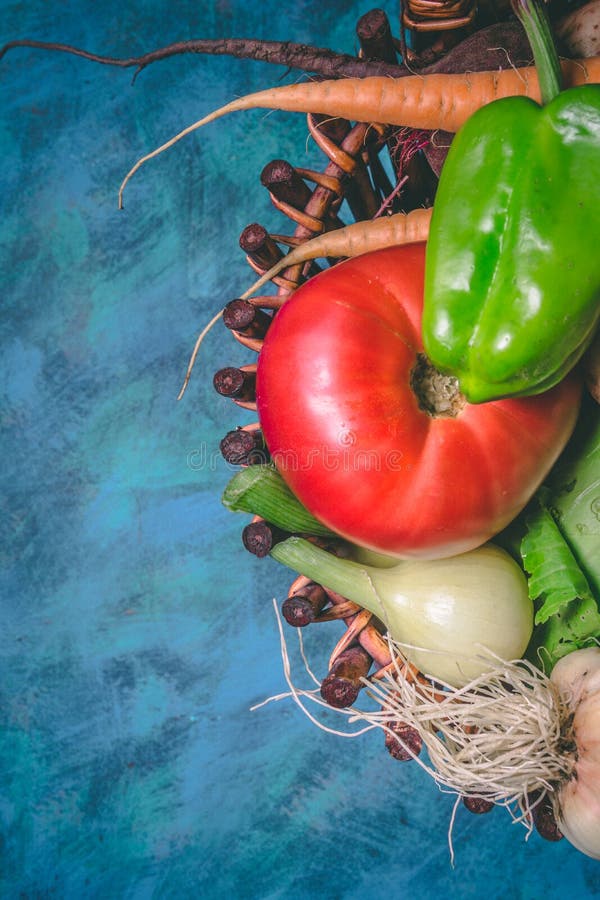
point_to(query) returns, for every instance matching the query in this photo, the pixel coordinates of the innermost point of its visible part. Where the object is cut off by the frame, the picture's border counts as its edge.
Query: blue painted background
(136, 634)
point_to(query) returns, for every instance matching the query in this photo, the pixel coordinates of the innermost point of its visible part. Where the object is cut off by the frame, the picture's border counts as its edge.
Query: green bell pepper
(512, 284)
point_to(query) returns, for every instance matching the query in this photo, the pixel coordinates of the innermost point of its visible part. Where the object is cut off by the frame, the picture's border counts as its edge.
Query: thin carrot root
(435, 101)
(352, 240)
(197, 346)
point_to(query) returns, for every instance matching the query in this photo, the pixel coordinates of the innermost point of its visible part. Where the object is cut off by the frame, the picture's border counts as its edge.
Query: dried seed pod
(303, 606)
(259, 537)
(256, 241)
(244, 447)
(239, 384)
(477, 805)
(375, 36)
(544, 819)
(285, 184)
(242, 316)
(342, 685)
(403, 740)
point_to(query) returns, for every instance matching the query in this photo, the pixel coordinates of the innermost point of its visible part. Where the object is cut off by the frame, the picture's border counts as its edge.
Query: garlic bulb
(577, 677)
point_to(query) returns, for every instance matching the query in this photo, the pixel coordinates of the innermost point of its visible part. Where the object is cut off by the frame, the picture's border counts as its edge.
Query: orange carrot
(352, 240)
(434, 101)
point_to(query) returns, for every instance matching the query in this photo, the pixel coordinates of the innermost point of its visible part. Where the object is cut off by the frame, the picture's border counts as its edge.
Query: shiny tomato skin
(346, 432)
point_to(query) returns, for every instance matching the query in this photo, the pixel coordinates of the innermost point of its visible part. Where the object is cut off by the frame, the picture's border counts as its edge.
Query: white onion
(450, 617)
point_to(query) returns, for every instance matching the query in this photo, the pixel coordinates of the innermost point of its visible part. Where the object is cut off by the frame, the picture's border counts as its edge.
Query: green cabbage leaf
(560, 549)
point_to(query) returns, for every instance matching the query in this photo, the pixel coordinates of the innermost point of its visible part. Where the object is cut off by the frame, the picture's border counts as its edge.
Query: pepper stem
(534, 18)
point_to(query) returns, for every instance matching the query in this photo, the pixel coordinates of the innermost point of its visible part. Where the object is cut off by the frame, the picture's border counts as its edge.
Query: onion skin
(577, 676)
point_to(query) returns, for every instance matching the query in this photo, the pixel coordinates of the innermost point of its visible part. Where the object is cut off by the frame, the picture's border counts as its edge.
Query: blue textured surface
(136, 635)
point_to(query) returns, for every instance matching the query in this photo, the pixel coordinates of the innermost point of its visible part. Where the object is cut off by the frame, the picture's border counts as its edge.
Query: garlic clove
(586, 723)
(579, 809)
(577, 673)
(577, 677)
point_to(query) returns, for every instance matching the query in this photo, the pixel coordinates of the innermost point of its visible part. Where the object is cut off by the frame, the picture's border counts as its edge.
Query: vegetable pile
(435, 482)
(442, 386)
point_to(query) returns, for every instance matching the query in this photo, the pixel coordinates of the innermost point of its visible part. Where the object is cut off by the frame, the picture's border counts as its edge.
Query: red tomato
(345, 429)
